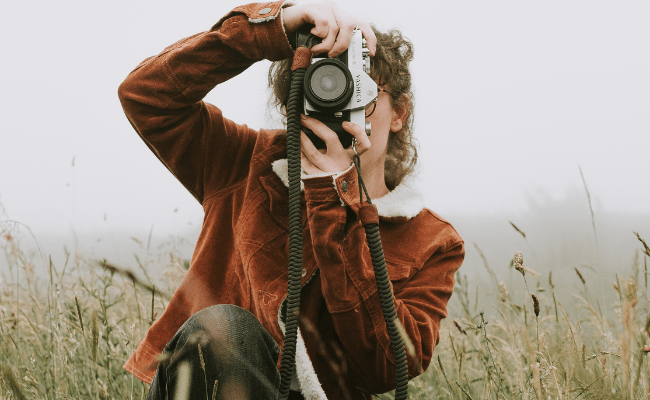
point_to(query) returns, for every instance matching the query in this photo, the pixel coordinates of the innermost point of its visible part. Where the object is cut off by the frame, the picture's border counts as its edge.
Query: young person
(225, 319)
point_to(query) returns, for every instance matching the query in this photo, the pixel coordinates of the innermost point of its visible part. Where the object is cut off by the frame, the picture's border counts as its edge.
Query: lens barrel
(328, 85)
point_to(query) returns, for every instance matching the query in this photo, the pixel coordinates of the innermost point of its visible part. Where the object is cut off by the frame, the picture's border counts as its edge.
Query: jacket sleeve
(350, 290)
(162, 97)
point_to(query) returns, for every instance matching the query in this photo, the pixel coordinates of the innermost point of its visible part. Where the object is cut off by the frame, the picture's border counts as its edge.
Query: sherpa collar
(403, 201)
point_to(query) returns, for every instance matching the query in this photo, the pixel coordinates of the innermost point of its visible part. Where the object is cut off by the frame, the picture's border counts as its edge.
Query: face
(384, 120)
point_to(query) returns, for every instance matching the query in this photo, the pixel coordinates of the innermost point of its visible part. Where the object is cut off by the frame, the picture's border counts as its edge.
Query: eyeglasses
(372, 106)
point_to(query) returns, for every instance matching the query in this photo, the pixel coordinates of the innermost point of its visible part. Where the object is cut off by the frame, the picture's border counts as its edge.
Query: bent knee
(224, 315)
(222, 323)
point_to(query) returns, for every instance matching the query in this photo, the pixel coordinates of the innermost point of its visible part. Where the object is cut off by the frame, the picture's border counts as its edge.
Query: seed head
(519, 258)
(519, 263)
(535, 305)
(503, 292)
(201, 357)
(459, 328)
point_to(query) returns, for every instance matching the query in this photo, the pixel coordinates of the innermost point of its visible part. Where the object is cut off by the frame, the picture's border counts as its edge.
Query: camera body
(339, 89)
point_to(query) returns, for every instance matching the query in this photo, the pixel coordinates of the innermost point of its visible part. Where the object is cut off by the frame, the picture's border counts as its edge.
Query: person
(225, 320)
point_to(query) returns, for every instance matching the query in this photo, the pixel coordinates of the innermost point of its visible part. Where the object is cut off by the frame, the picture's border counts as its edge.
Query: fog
(513, 99)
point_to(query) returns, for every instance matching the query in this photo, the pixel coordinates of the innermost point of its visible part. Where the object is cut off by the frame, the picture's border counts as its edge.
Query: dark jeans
(227, 349)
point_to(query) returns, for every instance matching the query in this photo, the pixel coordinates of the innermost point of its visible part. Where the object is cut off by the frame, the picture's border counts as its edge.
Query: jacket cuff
(268, 29)
(343, 186)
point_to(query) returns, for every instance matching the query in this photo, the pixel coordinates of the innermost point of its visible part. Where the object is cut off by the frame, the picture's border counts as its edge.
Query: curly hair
(390, 69)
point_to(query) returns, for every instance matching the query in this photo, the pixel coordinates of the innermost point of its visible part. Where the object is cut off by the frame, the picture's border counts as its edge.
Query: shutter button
(344, 186)
(265, 11)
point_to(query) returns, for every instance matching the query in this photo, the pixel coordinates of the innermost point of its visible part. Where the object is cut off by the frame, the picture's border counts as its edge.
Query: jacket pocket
(256, 227)
(399, 271)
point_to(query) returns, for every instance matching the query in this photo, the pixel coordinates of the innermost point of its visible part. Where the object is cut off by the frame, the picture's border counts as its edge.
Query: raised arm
(163, 97)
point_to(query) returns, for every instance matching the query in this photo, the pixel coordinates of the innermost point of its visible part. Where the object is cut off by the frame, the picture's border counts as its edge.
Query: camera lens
(328, 82)
(328, 85)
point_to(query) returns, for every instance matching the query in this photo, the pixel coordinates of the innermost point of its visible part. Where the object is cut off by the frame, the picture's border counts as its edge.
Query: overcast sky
(512, 97)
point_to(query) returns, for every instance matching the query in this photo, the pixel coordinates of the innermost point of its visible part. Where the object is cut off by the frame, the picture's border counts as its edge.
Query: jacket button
(304, 272)
(344, 186)
(265, 11)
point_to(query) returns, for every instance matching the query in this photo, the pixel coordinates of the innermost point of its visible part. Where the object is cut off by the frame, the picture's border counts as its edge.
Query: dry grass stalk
(94, 328)
(214, 389)
(153, 299)
(646, 248)
(131, 276)
(202, 361)
(550, 283)
(451, 390)
(485, 263)
(591, 210)
(469, 396)
(81, 321)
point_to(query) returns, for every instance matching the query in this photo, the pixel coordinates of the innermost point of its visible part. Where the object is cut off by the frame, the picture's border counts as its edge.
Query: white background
(512, 97)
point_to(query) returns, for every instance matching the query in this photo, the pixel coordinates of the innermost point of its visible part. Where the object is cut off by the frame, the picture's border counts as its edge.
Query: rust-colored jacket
(239, 176)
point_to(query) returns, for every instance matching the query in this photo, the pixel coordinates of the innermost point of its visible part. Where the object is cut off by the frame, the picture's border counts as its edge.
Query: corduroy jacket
(239, 175)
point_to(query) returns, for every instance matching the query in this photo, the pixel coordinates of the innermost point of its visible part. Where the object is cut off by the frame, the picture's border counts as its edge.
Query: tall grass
(534, 350)
(66, 333)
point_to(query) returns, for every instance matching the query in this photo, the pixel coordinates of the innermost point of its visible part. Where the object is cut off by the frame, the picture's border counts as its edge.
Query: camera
(339, 89)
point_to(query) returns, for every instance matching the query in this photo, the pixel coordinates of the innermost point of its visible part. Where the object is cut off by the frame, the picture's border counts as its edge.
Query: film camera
(339, 89)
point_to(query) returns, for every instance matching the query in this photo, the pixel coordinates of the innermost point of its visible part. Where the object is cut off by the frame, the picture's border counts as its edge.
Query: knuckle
(348, 25)
(320, 20)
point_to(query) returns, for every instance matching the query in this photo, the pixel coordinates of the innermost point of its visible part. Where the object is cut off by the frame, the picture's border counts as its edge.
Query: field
(65, 330)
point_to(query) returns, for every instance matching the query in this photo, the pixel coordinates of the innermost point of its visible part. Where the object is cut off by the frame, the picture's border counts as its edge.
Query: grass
(534, 350)
(67, 333)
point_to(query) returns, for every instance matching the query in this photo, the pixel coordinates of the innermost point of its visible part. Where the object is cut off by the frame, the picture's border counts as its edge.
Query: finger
(363, 142)
(309, 150)
(327, 29)
(307, 165)
(328, 136)
(369, 35)
(344, 37)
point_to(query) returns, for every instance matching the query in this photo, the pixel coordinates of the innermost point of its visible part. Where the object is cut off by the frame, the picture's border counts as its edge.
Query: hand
(334, 158)
(332, 24)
